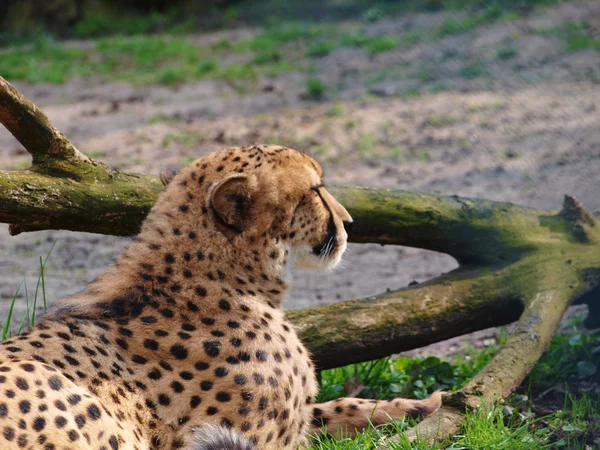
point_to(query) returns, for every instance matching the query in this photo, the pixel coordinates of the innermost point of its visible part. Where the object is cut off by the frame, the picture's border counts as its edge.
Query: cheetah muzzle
(182, 343)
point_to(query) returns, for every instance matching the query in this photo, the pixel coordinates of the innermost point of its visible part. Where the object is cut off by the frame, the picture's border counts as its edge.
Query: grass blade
(41, 278)
(6, 330)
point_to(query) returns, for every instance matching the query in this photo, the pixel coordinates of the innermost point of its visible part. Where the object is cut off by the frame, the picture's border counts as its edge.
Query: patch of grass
(424, 154)
(576, 425)
(158, 59)
(238, 71)
(403, 376)
(44, 61)
(374, 44)
(207, 67)
(7, 323)
(171, 75)
(577, 37)
(147, 52)
(270, 13)
(441, 120)
(491, 430)
(349, 125)
(506, 51)
(365, 145)
(272, 38)
(452, 26)
(438, 87)
(222, 44)
(417, 378)
(382, 44)
(372, 438)
(315, 88)
(184, 138)
(426, 75)
(373, 14)
(473, 70)
(24, 165)
(138, 59)
(397, 153)
(266, 57)
(570, 357)
(575, 34)
(336, 110)
(95, 23)
(411, 93)
(411, 37)
(321, 49)
(29, 318)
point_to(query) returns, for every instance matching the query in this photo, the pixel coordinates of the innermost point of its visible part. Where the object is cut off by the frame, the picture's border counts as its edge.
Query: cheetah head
(259, 197)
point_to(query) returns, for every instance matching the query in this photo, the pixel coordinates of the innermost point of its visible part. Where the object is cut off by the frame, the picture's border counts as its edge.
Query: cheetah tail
(212, 437)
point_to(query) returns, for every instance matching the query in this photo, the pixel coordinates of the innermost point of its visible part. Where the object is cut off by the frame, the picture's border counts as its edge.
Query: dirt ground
(527, 131)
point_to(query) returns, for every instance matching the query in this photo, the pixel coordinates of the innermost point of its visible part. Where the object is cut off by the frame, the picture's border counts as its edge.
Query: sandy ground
(525, 132)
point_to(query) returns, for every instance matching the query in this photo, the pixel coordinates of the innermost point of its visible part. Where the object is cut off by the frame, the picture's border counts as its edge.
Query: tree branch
(546, 301)
(96, 201)
(33, 130)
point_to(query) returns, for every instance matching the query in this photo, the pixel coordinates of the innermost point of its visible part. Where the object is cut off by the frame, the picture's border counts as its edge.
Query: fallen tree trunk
(515, 262)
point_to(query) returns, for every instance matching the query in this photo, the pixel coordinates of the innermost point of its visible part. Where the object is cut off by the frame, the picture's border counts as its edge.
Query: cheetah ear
(231, 200)
(166, 176)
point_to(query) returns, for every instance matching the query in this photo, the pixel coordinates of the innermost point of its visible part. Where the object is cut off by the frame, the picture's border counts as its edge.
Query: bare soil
(525, 131)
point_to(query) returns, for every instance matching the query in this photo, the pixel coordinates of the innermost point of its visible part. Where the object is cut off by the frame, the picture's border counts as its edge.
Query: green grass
(271, 38)
(506, 52)
(492, 430)
(569, 358)
(440, 120)
(578, 37)
(373, 44)
(99, 23)
(315, 88)
(473, 70)
(452, 26)
(151, 49)
(505, 427)
(508, 427)
(336, 110)
(29, 318)
(127, 21)
(184, 138)
(172, 59)
(373, 14)
(321, 48)
(138, 59)
(483, 430)
(44, 61)
(266, 57)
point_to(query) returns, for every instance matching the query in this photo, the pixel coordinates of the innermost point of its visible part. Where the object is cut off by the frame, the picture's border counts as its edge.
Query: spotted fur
(182, 343)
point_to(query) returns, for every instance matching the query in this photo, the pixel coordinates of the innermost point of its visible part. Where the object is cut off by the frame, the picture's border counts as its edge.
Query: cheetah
(182, 343)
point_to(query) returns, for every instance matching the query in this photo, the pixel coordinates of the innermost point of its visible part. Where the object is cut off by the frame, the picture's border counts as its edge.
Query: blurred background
(490, 99)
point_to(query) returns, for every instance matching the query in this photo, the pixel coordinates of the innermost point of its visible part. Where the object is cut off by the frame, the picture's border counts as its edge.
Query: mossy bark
(515, 262)
(97, 202)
